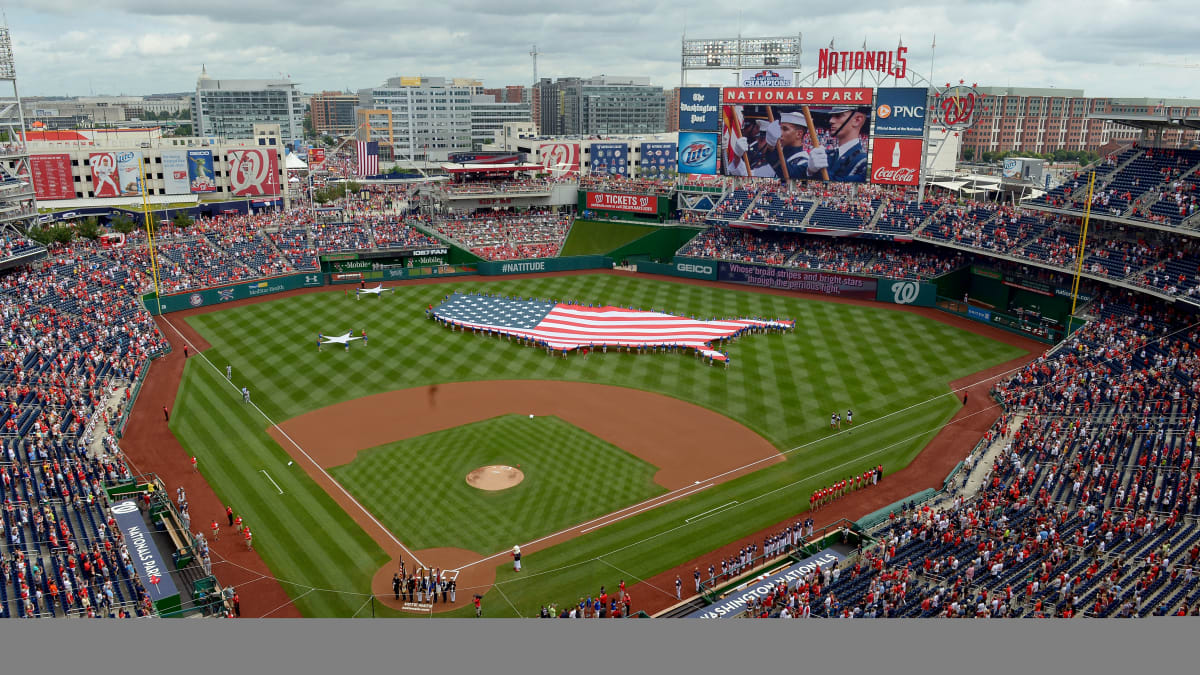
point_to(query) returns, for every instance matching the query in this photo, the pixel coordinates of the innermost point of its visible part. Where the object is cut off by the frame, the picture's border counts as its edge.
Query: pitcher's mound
(495, 477)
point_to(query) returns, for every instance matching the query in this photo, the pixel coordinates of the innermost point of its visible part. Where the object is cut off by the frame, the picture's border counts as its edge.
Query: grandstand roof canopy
(1150, 121)
(490, 168)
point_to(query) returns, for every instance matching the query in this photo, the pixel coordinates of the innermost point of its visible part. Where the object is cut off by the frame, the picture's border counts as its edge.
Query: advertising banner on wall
(201, 175)
(792, 279)
(699, 109)
(316, 157)
(610, 158)
(253, 172)
(51, 175)
(697, 152)
(896, 161)
(900, 111)
(175, 172)
(105, 180)
(605, 201)
(797, 134)
(658, 160)
(130, 173)
(560, 159)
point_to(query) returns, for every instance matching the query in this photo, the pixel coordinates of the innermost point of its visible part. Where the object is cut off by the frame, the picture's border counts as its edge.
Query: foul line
(264, 472)
(645, 508)
(297, 446)
(698, 515)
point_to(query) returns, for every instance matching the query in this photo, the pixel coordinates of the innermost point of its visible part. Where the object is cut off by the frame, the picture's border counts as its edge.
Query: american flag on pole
(368, 158)
(563, 326)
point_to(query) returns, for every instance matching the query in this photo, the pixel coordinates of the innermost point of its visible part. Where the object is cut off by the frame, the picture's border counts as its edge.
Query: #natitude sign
(767, 133)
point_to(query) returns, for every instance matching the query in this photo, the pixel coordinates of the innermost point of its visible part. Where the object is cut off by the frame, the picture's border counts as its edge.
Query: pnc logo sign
(884, 111)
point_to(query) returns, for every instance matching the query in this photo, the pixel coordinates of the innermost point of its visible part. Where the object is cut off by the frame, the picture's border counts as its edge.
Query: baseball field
(346, 460)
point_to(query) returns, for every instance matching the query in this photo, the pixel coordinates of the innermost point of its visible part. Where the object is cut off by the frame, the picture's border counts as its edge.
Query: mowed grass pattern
(872, 359)
(570, 477)
(589, 237)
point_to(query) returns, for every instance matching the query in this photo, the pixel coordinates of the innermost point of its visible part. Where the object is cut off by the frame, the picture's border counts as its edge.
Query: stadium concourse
(1083, 499)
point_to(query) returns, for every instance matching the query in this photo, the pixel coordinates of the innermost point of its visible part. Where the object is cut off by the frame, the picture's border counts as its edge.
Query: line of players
(841, 488)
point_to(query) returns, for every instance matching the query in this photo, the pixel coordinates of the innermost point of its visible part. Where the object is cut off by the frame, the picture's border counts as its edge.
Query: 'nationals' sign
(629, 203)
(894, 63)
(735, 603)
(810, 95)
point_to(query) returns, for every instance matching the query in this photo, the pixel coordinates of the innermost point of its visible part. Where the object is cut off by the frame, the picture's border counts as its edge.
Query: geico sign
(698, 269)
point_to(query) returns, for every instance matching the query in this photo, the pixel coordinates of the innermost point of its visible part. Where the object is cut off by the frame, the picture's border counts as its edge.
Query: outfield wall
(240, 291)
(660, 244)
(532, 265)
(688, 268)
(795, 279)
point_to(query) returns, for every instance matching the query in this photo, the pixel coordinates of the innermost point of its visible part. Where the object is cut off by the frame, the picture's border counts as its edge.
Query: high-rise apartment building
(231, 108)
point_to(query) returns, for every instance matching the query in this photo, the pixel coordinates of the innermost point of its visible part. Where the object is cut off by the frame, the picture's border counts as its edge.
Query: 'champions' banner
(793, 279)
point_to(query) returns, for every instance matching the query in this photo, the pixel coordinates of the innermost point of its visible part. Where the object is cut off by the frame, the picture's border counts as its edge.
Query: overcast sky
(77, 47)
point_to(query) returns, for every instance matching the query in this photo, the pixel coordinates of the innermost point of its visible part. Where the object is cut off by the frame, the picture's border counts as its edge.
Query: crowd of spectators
(500, 235)
(599, 182)
(831, 254)
(73, 330)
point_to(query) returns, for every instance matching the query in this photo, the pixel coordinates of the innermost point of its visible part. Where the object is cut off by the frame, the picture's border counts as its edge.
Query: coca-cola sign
(896, 161)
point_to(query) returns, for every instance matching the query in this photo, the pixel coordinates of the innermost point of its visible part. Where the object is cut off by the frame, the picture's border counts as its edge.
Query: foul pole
(149, 235)
(1087, 212)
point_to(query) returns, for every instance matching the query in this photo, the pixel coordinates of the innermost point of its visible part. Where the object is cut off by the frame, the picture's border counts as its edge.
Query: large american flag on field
(368, 158)
(563, 326)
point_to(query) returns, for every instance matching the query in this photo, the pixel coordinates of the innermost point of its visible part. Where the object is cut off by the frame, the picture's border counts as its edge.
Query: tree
(309, 131)
(61, 234)
(123, 224)
(183, 130)
(968, 154)
(40, 234)
(88, 228)
(351, 187)
(182, 220)
(328, 140)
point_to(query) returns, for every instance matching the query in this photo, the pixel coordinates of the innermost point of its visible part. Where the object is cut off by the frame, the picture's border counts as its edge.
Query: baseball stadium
(795, 373)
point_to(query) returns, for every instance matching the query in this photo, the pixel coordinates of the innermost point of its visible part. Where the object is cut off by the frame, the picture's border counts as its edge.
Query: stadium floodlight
(8, 68)
(741, 52)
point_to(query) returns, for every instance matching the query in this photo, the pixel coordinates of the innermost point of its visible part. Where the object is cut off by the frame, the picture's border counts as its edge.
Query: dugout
(1008, 298)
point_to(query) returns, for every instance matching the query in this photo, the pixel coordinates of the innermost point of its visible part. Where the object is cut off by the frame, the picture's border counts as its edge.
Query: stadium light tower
(781, 53)
(18, 204)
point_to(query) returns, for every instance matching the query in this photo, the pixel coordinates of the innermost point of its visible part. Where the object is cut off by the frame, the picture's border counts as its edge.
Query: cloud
(146, 46)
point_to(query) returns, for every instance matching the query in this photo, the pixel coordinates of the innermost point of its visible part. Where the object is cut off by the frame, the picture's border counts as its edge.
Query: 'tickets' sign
(628, 203)
(896, 161)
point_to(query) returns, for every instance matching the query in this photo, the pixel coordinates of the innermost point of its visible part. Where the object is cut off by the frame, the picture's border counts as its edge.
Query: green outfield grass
(570, 477)
(890, 367)
(588, 237)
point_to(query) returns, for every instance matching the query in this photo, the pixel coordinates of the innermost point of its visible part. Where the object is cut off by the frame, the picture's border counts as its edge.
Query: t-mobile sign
(896, 161)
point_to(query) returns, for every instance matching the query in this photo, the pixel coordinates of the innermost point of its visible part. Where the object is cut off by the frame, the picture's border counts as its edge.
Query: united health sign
(900, 111)
(735, 603)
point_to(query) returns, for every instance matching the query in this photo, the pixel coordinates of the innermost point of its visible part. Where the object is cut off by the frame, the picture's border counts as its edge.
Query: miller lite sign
(896, 161)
